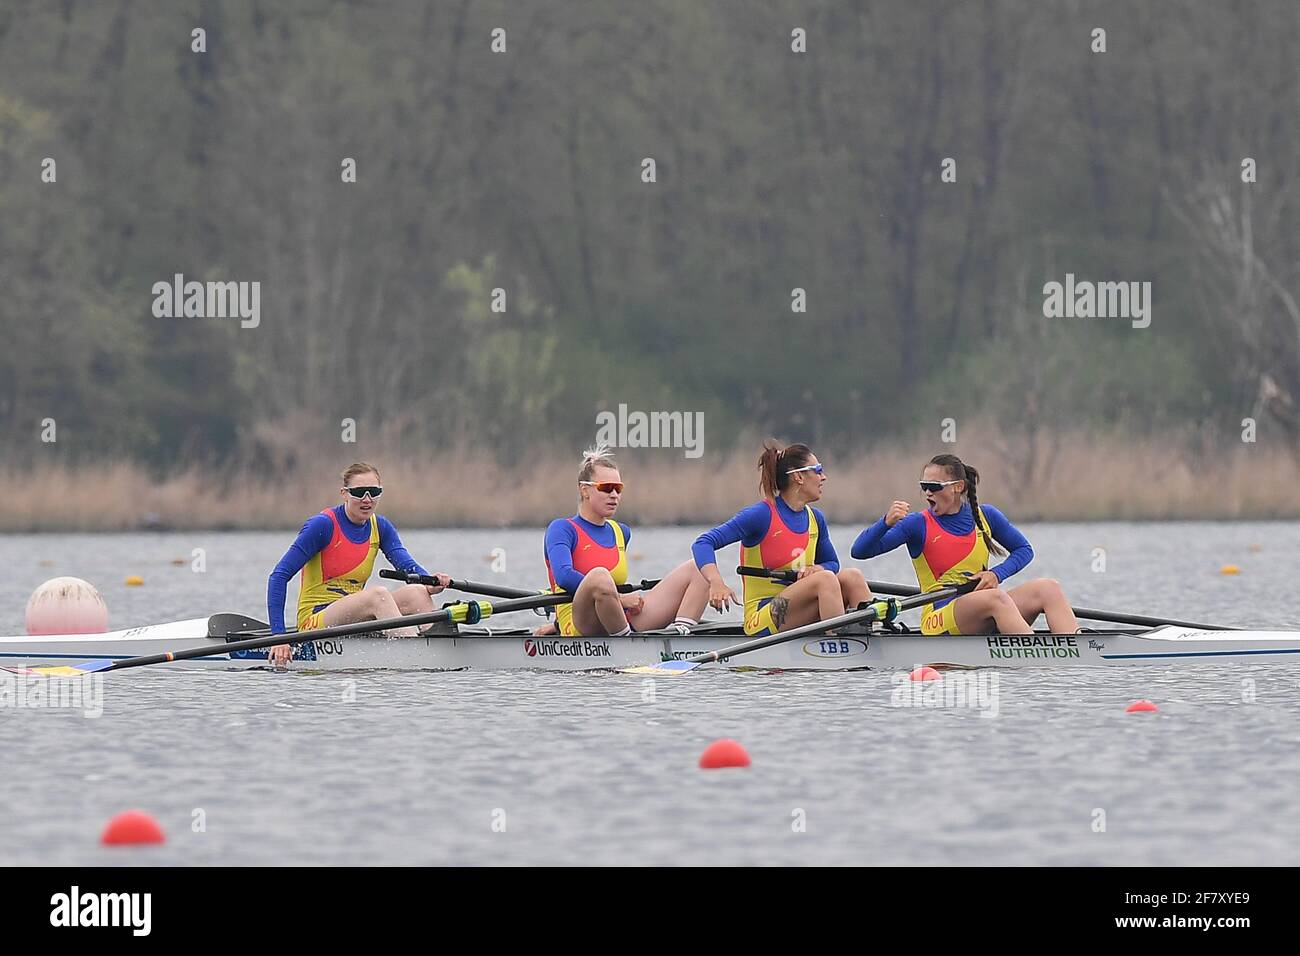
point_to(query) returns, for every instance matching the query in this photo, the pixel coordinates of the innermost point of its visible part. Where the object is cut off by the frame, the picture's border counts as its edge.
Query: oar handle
(494, 590)
(644, 585)
(789, 577)
(469, 587)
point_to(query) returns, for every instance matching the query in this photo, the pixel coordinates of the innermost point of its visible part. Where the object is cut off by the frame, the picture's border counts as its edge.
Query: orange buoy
(132, 827)
(723, 753)
(1229, 569)
(1141, 707)
(925, 673)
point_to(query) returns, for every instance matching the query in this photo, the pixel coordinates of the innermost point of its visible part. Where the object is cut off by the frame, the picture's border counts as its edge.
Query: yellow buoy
(1229, 569)
(134, 581)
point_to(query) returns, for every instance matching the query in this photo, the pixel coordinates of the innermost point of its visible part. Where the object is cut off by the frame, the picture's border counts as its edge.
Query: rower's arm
(312, 539)
(747, 525)
(1009, 536)
(825, 556)
(391, 544)
(880, 538)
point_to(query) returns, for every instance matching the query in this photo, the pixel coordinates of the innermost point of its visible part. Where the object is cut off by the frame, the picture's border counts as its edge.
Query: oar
(885, 610)
(468, 587)
(495, 590)
(1091, 614)
(462, 612)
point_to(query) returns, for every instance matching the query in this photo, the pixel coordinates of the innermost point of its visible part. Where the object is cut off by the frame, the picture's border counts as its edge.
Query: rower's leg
(1044, 596)
(597, 609)
(681, 595)
(853, 587)
(814, 598)
(977, 611)
(413, 599)
(368, 604)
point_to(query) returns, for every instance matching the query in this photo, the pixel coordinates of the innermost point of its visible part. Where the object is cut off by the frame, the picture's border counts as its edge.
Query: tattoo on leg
(779, 606)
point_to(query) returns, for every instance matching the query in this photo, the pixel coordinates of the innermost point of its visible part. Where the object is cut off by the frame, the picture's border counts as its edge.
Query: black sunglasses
(360, 491)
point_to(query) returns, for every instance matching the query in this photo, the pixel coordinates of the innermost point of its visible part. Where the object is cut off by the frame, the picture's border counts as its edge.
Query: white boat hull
(516, 649)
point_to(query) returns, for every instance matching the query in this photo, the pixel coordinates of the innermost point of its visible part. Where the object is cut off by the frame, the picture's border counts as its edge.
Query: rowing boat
(457, 648)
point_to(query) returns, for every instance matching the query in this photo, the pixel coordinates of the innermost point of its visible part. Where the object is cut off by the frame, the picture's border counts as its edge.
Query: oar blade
(662, 669)
(61, 670)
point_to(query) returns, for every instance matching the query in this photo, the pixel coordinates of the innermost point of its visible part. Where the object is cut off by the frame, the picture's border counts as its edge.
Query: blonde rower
(586, 555)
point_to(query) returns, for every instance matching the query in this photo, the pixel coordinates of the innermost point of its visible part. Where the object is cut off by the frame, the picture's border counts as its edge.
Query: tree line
(918, 170)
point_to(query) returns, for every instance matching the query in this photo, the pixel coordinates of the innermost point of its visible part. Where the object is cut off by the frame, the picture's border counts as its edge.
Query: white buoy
(66, 606)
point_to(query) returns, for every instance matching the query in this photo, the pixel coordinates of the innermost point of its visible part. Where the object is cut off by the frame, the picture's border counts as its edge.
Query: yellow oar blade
(59, 670)
(665, 669)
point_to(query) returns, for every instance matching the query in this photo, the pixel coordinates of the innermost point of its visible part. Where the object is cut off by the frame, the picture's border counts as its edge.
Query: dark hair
(958, 470)
(775, 464)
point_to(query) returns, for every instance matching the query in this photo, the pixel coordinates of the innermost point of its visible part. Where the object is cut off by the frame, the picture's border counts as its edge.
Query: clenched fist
(897, 512)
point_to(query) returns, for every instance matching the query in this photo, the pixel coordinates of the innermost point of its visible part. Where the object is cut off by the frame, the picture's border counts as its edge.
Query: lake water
(531, 768)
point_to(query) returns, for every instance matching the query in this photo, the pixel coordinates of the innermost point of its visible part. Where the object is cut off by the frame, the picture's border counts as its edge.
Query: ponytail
(775, 464)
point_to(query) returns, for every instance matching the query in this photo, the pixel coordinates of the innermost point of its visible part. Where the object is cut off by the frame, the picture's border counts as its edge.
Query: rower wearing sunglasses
(336, 551)
(586, 555)
(950, 542)
(783, 532)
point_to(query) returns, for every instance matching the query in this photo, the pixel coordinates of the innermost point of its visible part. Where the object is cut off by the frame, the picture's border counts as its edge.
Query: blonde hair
(359, 468)
(597, 456)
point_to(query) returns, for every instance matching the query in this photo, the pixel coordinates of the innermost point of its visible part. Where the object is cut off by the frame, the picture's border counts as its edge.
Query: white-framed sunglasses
(938, 485)
(816, 469)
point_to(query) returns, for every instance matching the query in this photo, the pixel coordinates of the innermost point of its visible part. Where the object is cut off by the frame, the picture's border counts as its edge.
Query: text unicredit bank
(574, 648)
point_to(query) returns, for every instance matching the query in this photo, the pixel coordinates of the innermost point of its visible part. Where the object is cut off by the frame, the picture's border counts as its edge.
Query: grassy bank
(1080, 478)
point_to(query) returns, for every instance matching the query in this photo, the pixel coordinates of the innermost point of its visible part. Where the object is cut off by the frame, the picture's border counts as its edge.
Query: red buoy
(925, 673)
(132, 827)
(723, 753)
(1141, 707)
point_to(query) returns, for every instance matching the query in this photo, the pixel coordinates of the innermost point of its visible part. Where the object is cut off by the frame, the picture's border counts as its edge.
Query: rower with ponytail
(951, 541)
(782, 532)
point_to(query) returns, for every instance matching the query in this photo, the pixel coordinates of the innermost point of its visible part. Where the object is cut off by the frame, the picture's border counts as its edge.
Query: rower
(951, 541)
(335, 551)
(586, 555)
(783, 532)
